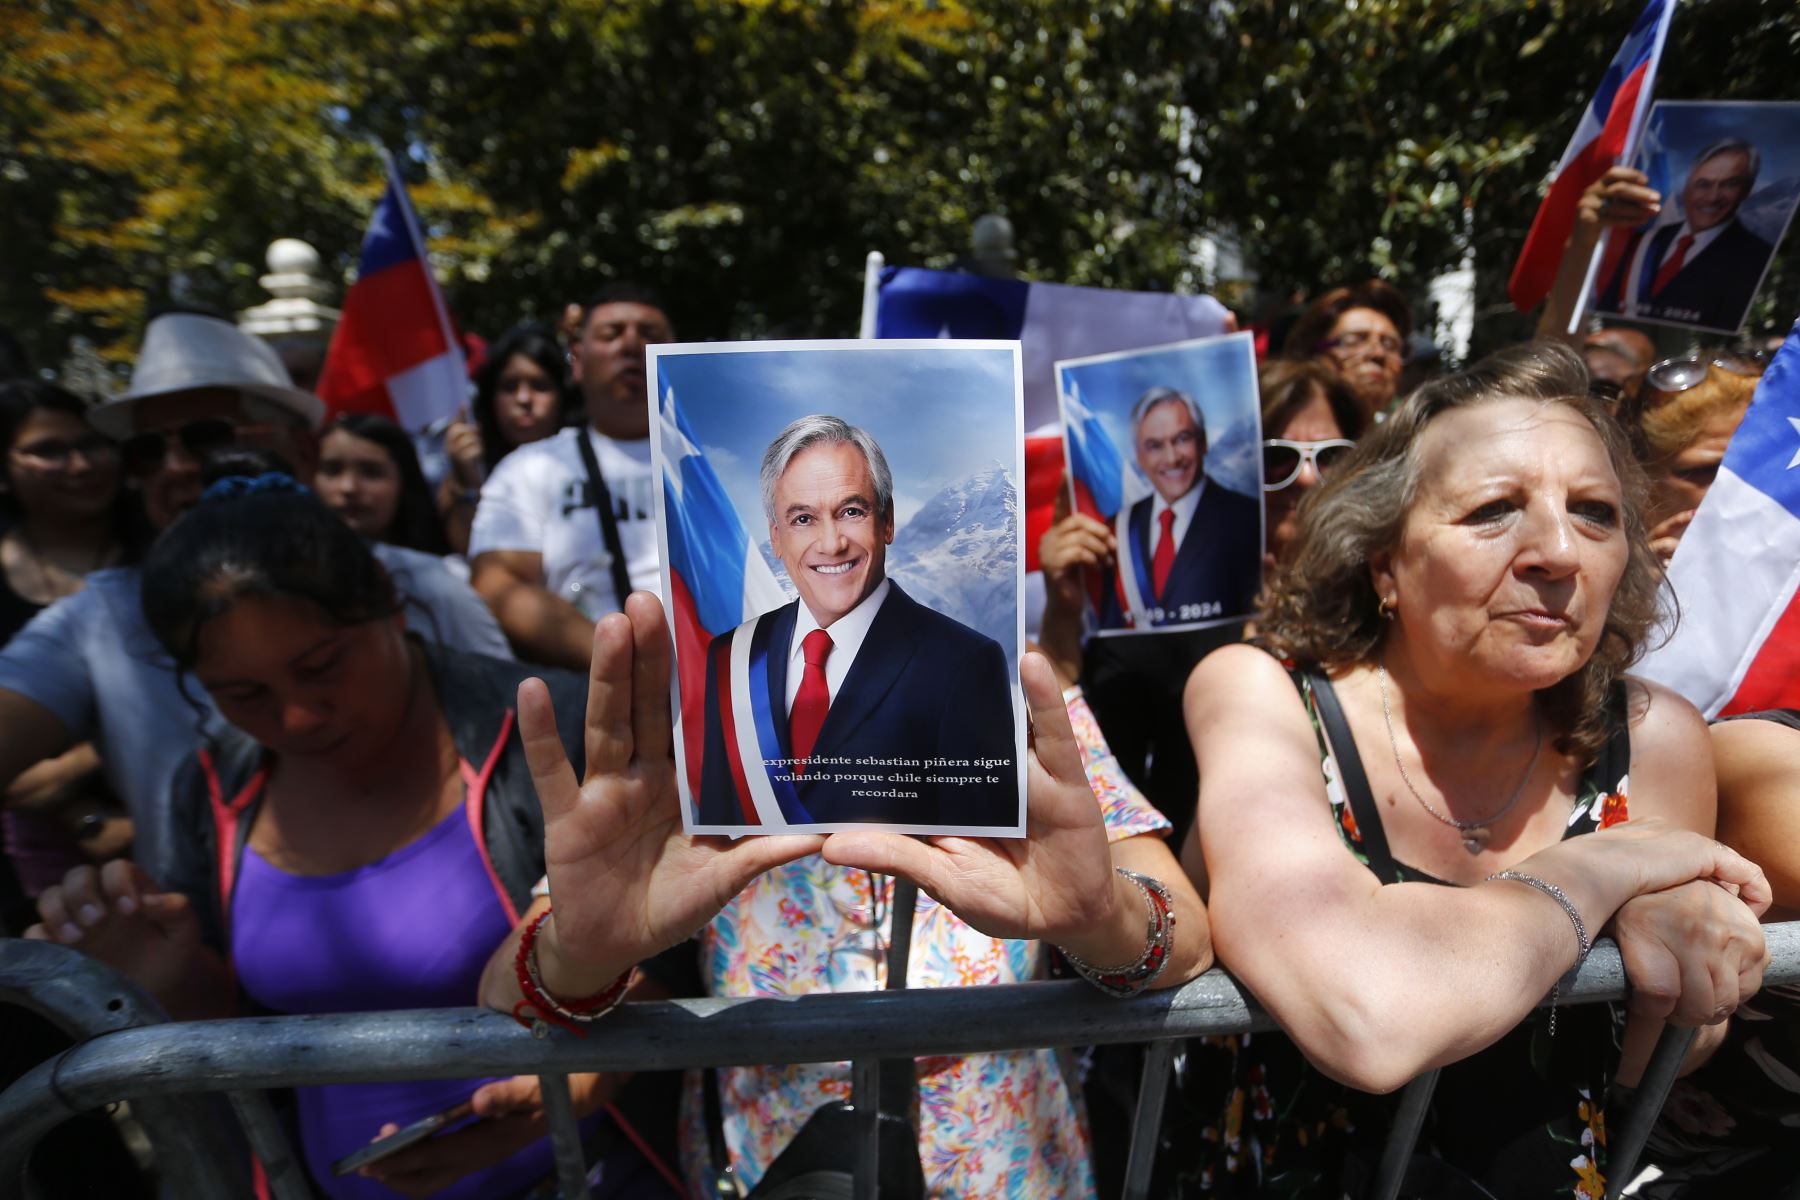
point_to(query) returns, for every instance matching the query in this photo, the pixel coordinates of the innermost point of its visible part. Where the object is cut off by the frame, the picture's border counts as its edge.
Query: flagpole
(1639, 114)
(418, 237)
(871, 293)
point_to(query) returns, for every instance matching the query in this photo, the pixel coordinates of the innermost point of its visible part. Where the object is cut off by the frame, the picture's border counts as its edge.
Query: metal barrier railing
(128, 1055)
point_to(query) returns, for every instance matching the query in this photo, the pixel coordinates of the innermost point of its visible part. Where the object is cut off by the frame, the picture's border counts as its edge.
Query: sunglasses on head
(1673, 375)
(1283, 459)
(145, 452)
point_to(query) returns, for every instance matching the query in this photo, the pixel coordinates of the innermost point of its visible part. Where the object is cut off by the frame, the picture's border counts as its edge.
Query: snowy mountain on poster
(957, 554)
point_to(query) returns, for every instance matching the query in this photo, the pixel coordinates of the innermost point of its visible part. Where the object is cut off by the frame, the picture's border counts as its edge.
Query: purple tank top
(412, 930)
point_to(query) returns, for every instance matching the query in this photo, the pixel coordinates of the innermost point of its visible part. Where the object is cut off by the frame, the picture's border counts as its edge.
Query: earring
(1387, 608)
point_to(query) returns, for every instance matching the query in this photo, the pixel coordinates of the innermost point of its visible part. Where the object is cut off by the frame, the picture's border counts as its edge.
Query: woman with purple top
(362, 839)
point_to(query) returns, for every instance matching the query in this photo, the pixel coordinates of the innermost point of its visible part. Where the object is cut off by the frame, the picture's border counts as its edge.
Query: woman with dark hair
(381, 835)
(1360, 332)
(63, 514)
(369, 475)
(1413, 810)
(521, 395)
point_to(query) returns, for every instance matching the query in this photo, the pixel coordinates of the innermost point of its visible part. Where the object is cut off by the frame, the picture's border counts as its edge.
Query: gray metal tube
(1409, 1119)
(565, 1137)
(269, 1142)
(1646, 1105)
(1146, 1124)
(865, 1099)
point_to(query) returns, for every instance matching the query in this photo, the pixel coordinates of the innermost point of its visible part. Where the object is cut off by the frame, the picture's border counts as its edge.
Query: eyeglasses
(145, 452)
(55, 454)
(1674, 375)
(1358, 339)
(1283, 459)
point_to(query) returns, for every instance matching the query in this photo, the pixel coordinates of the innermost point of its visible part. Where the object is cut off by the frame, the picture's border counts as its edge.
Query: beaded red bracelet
(567, 1014)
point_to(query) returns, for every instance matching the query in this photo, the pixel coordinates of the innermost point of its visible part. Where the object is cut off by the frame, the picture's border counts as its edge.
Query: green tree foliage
(744, 155)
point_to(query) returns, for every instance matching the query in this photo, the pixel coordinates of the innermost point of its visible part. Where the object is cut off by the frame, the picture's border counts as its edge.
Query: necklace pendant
(1475, 840)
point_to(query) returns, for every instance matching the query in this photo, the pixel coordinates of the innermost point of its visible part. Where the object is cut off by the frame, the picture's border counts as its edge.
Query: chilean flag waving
(1737, 570)
(718, 578)
(1608, 128)
(393, 352)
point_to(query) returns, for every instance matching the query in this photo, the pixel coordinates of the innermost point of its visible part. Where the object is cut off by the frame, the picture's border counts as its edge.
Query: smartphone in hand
(400, 1139)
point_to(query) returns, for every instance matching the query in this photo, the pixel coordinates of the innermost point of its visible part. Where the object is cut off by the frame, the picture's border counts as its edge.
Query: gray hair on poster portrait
(813, 430)
(1734, 145)
(1157, 396)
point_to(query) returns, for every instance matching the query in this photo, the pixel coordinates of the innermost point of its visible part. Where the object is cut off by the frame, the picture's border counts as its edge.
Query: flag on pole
(1094, 461)
(1736, 572)
(718, 578)
(393, 352)
(1608, 129)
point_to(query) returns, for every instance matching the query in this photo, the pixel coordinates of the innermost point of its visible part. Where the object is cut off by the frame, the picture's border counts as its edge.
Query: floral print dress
(1248, 1116)
(991, 1125)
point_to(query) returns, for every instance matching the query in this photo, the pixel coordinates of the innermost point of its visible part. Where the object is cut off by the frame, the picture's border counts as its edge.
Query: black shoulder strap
(609, 521)
(1351, 776)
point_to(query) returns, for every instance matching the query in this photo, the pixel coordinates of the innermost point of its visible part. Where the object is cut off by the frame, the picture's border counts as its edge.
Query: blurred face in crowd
(1715, 188)
(58, 467)
(1510, 555)
(284, 673)
(1312, 424)
(1615, 355)
(1365, 348)
(1170, 449)
(359, 481)
(525, 402)
(172, 433)
(828, 530)
(1679, 482)
(608, 364)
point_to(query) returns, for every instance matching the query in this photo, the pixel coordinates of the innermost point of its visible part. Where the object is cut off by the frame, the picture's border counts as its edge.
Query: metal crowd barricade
(131, 1053)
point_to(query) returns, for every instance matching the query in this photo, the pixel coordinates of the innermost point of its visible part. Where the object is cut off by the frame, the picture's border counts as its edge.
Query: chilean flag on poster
(717, 575)
(393, 352)
(1737, 569)
(1605, 136)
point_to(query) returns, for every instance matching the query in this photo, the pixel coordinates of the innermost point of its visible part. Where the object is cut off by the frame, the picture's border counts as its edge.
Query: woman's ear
(1381, 575)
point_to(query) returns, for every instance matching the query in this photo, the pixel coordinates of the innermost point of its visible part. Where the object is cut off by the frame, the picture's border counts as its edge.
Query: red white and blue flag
(718, 578)
(1736, 572)
(393, 352)
(1606, 135)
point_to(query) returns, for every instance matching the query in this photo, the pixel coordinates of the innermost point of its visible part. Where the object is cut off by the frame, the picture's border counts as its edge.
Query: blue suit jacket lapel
(891, 642)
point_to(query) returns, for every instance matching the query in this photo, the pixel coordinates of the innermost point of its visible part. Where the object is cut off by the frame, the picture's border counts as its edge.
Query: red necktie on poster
(1672, 265)
(1164, 562)
(812, 701)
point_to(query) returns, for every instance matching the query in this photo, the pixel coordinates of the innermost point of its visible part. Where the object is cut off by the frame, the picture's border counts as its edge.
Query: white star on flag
(675, 444)
(1794, 461)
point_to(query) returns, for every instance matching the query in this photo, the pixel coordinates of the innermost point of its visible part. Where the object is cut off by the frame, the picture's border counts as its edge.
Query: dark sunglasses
(1282, 459)
(144, 452)
(1673, 376)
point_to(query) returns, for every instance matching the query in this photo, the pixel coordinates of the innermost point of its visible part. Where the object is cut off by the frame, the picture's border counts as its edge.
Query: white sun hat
(183, 352)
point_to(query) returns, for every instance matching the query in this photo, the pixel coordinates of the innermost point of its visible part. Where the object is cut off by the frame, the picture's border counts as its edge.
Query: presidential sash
(1133, 573)
(762, 777)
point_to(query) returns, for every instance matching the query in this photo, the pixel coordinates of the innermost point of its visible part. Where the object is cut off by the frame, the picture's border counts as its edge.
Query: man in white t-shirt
(547, 557)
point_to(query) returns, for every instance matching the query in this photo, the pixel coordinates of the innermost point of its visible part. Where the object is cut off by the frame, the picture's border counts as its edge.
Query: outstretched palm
(626, 881)
(1054, 881)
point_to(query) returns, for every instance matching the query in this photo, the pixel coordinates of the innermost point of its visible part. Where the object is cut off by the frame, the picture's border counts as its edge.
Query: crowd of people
(307, 716)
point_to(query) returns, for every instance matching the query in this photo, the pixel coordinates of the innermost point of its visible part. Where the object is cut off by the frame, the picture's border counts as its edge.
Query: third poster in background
(1164, 445)
(1729, 174)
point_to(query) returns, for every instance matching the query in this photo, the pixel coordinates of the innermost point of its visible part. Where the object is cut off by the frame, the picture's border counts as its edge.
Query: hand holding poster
(875, 484)
(1164, 445)
(1729, 174)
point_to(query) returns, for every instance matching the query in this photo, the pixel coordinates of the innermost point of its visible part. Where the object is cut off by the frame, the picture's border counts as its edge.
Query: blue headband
(232, 486)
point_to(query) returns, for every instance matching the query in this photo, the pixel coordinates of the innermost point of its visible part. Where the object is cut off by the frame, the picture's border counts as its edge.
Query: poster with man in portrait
(1729, 175)
(1164, 445)
(842, 562)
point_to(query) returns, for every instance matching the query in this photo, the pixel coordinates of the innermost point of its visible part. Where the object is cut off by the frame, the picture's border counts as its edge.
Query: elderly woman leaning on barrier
(627, 883)
(1413, 810)
(359, 840)
(1728, 1129)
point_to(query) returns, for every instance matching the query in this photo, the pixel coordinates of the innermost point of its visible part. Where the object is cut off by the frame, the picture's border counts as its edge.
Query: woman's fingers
(121, 882)
(651, 721)
(1655, 978)
(1752, 885)
(888, 854)
(1053, 739)
(609, 711)
(557, 788)
(752, 856)
(55, 916)
(83, 901)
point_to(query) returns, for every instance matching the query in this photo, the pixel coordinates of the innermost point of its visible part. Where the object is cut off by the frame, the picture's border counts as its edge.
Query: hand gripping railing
(243, 1056)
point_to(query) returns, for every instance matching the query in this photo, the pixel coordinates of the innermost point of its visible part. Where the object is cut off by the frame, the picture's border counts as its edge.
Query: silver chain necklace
(1475, 834)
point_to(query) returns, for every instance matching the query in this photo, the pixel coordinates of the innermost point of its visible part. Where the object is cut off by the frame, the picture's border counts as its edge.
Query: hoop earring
(1386, 608)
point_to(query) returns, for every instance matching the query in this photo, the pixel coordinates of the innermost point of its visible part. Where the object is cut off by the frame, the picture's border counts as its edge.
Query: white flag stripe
(762, 795)
(429, 391)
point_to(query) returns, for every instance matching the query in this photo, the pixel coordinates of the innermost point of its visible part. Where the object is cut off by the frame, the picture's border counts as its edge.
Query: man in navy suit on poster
(1191, 550)
(858, 686)
(1705, 270)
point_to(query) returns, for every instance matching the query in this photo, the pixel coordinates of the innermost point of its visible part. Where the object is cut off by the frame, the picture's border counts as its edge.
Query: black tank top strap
(1335, 741)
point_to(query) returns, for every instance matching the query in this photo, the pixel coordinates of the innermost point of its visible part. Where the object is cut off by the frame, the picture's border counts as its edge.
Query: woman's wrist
(1114, 937)
(566, 975)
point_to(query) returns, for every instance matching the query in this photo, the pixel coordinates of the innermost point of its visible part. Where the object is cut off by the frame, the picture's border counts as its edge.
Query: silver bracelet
(1568, 906)
(1159, 944)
